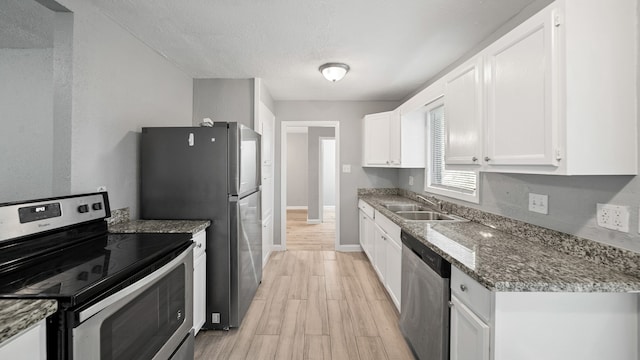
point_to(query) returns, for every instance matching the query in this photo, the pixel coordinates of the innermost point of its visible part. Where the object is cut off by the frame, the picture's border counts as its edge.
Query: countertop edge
(160, 226)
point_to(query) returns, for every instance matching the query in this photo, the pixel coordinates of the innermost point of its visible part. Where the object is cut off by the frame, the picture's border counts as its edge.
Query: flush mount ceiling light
(334, 71)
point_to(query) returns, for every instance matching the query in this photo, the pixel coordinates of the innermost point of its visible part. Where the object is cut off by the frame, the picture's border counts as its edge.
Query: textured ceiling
(25, 24)
(392, 46)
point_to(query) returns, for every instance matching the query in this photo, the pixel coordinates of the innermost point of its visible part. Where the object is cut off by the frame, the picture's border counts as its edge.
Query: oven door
(146, 320)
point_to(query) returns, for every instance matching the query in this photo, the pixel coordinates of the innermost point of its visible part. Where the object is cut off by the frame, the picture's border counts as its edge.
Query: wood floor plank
(247, 330)
(371, 348)
(317, 263)
(317, 318)
(317, 347)
(363, 323)
(343, 340)
(263, 347)
(333, 280)
(215, 344)
(269, 274)
(387, 320)
(345, 263)
(329, 255)
(291, 341)
(271, 318)
(304, 236)
(367, 278)
(299, 288)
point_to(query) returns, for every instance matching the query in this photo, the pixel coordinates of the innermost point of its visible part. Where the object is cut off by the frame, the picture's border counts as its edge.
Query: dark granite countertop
(160, 226)
(504, 262)
(17, 316)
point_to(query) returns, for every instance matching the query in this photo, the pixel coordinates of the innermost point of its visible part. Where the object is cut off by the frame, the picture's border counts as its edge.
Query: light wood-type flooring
(303, 236)
(313, 304)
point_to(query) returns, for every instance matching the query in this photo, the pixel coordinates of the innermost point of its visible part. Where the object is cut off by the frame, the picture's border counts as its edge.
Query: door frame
(321, 146)
(284, 126)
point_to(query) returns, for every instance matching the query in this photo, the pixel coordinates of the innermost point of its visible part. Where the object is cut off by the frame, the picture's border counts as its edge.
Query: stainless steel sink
(405, 207)
(428, 216)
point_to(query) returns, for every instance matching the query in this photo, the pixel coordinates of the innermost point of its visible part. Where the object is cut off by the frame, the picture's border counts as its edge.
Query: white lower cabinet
(199, 281)
(380, 241)
(29, 345)
(387, 259)
(488, 325)
(469, 334)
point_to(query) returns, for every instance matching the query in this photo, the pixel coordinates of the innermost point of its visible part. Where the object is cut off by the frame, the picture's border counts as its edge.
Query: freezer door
(246, 253)
(244, 167)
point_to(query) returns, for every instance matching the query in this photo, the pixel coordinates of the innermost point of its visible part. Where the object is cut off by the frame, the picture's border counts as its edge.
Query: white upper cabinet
(391, 139)
(522, 98)
(561, 93)
(463, 106)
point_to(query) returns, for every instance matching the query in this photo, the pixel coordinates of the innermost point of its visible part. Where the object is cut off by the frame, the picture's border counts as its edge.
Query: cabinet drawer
(366, 208)
(471, 293)
(201, 244)
(388, 226)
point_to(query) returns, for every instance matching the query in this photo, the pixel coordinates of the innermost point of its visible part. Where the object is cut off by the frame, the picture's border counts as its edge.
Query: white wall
(224, 100)
(297, 169)
(26, 126)
(349, 114)
(119, 86)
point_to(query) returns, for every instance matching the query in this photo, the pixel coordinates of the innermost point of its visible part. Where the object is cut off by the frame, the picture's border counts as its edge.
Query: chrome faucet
(436, 204)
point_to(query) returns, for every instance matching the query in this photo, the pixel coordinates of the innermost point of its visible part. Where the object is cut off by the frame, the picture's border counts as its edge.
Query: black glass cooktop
(81, 272)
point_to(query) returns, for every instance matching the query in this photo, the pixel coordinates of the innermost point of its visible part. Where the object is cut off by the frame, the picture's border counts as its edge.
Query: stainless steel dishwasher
(424, 320)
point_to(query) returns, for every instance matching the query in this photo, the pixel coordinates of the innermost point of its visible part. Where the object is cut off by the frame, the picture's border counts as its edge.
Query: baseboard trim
(297, 207)
(277, 247)
(349, 248)
(314, 221)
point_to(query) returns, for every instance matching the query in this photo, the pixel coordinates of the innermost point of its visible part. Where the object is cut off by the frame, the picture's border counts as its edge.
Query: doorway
(308, 187)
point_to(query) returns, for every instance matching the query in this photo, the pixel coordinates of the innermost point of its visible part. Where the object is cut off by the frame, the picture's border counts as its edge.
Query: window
(460, 184)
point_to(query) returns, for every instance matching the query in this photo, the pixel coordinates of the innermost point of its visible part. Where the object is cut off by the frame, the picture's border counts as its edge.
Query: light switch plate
(346, 168)
(539, 203)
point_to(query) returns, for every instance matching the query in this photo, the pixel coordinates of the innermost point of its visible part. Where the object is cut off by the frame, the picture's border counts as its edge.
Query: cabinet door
(394, 136)
(199, 291)
(376, 139)
(521, 73)
(28, 345)
(379, 250)
(469, 335)
(393, 270)
(463, 114)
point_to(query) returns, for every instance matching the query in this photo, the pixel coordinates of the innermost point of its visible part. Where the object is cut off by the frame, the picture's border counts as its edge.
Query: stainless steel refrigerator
(210, 173)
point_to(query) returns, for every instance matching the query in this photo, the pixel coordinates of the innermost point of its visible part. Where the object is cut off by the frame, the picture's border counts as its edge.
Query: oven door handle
(137, 286)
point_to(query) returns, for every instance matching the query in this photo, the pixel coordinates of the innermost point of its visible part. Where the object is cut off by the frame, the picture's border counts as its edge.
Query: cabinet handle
(463, 287)
(450, 304)
(474, 159)
(486, 158)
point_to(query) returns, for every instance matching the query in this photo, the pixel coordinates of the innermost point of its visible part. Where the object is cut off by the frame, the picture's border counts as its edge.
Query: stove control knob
(83, 209)
(96, 206)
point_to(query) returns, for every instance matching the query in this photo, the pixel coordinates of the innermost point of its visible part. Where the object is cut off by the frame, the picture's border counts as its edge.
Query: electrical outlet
(539, 203)
(102, 188)
(346, 168)
(410, 180)
(614, 217)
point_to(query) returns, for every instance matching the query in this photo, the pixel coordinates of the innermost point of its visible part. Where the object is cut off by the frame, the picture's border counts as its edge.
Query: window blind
(462, 181)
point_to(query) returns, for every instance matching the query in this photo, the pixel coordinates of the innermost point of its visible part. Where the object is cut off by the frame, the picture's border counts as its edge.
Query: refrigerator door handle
(234, 198)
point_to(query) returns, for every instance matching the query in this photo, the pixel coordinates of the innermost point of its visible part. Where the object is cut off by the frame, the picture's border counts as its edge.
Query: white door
(521, 79)
(267, 124)
(469, 334)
